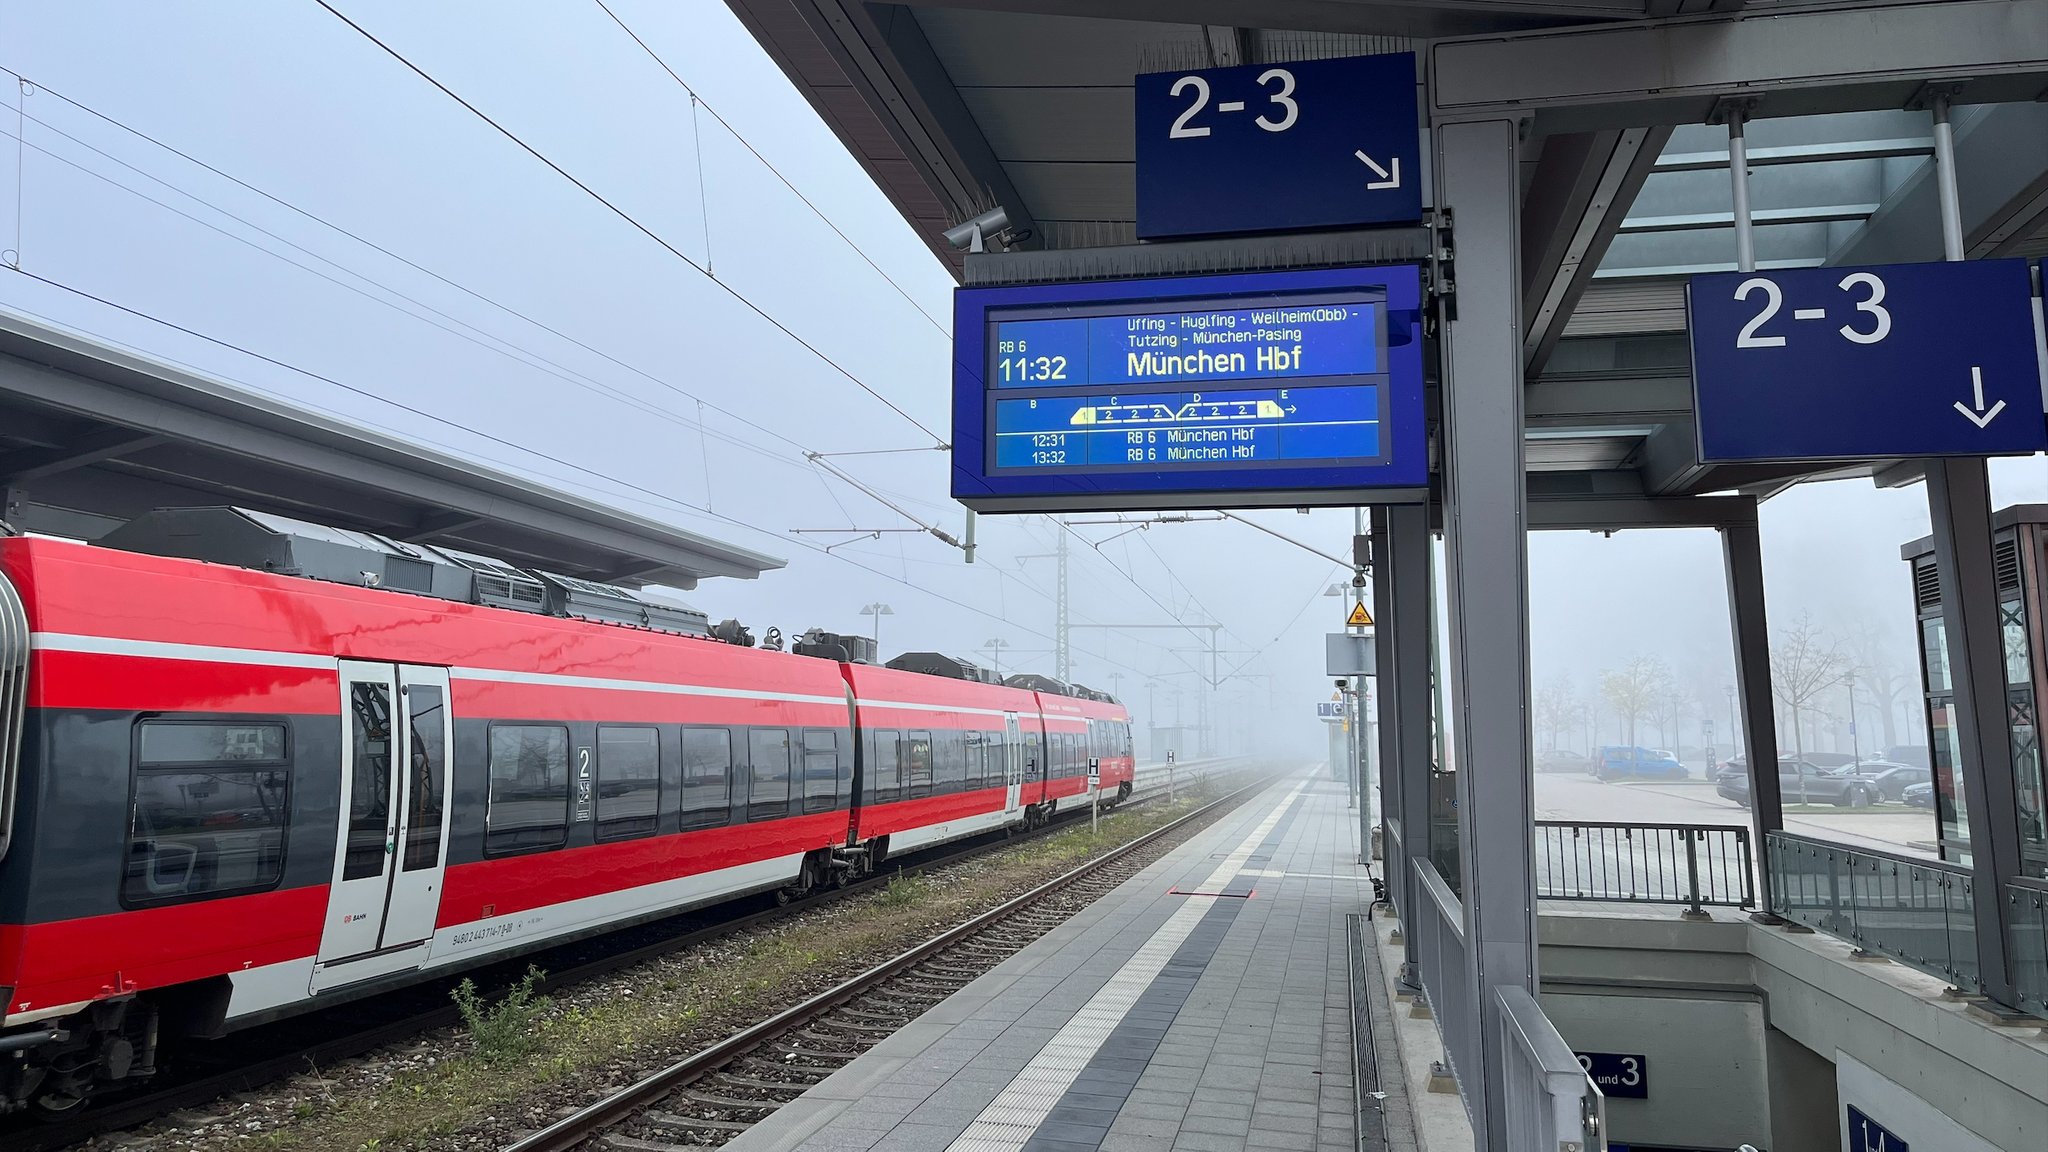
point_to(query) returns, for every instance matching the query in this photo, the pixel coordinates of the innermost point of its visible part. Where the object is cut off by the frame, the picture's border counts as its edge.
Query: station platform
(1203, 1005)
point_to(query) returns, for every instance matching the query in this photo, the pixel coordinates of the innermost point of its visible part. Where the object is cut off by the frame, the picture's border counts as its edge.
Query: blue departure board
(1216, 391)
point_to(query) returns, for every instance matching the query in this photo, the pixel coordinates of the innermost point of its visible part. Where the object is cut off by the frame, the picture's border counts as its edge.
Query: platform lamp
(878, 610)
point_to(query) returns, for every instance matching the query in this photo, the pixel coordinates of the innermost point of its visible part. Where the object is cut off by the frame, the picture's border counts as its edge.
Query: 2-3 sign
(1866, 363)
(1277, 147)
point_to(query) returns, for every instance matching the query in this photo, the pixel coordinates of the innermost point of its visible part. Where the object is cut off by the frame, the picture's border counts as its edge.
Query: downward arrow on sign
(1386, 179)
(1980, 417)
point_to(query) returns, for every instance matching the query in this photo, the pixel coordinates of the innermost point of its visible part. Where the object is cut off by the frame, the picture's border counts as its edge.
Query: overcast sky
(287, 98)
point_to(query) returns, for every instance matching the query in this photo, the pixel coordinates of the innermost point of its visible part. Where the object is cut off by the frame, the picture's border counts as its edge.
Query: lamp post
(878, 610)
(995, 646)
(1855, 741)
(1732, 728)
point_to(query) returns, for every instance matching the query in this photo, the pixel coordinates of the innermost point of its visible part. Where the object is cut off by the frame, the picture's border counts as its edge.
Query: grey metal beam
(888, 60)
(1606, 400)
(1487, 560)
(1822, 152)
(1743, 557)
(1614, 514)
(1375, 17)
(1406, 629)
(1805, 61)
(1704, 221)
(1959, 505)
(1577, 199)
(20, 467)
(2002, 161)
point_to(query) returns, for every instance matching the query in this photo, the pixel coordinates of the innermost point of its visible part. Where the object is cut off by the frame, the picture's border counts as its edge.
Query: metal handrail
(1690, 864)
(1439, 931)
(1551, 1104)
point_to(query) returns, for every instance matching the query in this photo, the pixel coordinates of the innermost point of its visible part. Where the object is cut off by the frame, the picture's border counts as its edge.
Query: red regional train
(326, 764)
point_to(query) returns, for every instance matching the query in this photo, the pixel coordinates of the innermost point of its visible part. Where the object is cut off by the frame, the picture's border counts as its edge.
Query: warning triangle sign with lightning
(1359, 617)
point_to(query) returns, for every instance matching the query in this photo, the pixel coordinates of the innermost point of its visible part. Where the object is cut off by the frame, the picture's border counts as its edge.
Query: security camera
(1343, 684)
(971, 234)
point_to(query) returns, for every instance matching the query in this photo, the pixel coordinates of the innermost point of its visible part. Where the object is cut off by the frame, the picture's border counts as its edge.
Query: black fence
(1690, 864)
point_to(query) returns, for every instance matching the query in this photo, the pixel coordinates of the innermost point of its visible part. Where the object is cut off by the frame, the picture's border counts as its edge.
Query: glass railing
(2027, 923)
(1921, 913)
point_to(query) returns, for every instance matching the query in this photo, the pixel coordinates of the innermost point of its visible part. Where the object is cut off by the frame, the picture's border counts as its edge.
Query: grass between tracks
(608, 1032)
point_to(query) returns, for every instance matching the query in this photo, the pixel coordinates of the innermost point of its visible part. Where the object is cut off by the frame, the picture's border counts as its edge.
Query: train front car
(241, 795)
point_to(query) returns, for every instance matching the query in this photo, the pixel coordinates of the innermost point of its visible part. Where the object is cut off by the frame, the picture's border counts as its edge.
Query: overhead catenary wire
(629, 219)
(698, 101)
(658, 499)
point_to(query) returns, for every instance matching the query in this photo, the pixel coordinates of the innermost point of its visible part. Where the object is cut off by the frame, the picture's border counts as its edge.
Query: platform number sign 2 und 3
(1623, 1075)
(1867, 363)
(1278, 147)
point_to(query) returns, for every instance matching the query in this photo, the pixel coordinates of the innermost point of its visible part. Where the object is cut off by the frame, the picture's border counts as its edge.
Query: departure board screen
(1201, 392)
(1293, 383)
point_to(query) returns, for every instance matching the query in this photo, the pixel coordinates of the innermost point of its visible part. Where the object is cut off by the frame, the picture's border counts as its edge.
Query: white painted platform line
(1010, 1120)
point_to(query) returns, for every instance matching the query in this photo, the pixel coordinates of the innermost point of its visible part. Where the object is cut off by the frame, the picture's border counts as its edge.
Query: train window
(211, 804)
(768, 760)
(529, 800)
(423, 703)
(628, 781)
(821, 769)
(1034, 758)
(369, 759)
(917, 765)
(707, 776)
(976, 752)
(882, 774)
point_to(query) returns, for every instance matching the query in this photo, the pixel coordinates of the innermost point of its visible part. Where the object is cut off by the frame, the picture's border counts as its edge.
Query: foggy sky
(285, 97)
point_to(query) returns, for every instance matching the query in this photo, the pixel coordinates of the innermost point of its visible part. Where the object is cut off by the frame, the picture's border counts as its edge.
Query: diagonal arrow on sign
(1386, 179)
(1980, 417)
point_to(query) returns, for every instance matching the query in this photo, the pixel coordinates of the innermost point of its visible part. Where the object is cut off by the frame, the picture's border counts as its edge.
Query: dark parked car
(1802, 781)
(1919, 795)
(1892, 779)
(1623, 762)
(1563, 760)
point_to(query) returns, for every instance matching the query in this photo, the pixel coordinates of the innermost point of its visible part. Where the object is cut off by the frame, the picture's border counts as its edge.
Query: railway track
(708, 1098)
(331, 1035)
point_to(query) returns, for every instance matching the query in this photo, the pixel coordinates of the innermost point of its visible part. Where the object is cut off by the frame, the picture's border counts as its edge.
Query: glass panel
(369, 806)
(707, 775)
(768, 756)
(2029, 927)
(529, 802)
(821, 769)
(917, 764)
(2026, 779)
(186, 742)
(2012, 626)
(1934, 651)
(206, 833)
(882, 777)
(1951, 811)
(628, 781)
(423, 819)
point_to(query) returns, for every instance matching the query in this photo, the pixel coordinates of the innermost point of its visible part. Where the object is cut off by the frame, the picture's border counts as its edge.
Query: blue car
(1625, 762)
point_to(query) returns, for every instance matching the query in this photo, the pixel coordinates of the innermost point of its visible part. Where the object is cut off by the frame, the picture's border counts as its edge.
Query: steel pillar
(1401, 593)
(1486, 558)
(1959, 503)
(1742, 550)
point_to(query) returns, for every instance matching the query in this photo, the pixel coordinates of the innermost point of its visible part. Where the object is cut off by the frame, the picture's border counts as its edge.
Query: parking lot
(1887, 827)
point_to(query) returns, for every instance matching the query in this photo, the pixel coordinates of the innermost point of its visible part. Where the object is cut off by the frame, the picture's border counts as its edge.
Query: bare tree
(1805, 663)
(1886, 672)
(1635, 690)
(1556, 708)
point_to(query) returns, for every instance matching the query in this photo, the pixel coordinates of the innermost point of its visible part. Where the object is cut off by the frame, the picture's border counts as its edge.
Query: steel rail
(571, 1131)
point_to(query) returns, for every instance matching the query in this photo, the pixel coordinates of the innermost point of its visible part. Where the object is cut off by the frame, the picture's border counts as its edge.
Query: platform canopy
(91, 436)
(954, 106)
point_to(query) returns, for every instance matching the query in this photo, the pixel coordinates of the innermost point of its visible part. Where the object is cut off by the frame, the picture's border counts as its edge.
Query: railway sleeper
(613, 1142)
(735, 1103)
(733, 1079)
(784, 1073)
(672, 1122)
(856, 1028)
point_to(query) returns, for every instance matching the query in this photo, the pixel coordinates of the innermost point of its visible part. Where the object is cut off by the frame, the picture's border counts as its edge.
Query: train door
(1013, 765)
(392, 846)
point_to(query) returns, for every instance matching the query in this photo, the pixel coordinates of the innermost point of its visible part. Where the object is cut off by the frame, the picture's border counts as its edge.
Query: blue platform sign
(1625, 1075)
(1868, 363)
(1252, 390)
(1867, 1135)
(1279, 147)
